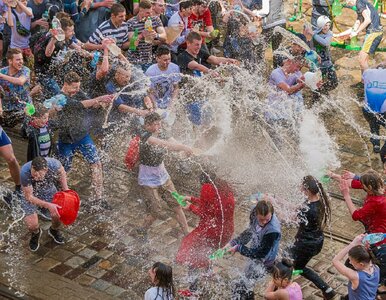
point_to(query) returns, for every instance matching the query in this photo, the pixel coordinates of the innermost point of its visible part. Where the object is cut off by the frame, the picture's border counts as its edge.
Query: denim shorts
(85, 146)
(4, 139)
(29, 208)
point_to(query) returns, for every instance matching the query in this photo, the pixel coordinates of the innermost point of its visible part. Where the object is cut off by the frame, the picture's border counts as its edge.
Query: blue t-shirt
(367, 288)
(375, 90)
(46, 188)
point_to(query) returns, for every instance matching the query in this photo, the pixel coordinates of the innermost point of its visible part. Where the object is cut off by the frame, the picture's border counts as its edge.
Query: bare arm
(345, 189)
(92, 47)
(9, 17)
(14, 80)
(215, 60)
(25, 9)
(63, 179)
(161, 33)
(50, 47)
(193, 65)
(271, 294)
(366, 20)
(104, 68)
(98, 101)
(290, 89)
(170, 145)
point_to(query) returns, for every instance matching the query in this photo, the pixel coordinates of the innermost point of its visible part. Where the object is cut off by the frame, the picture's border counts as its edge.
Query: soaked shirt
(310, 220)
(375, 25)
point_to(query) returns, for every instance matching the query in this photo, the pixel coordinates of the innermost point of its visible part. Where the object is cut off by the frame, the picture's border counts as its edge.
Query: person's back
(294, 291)
(375, 95)
(367, 287)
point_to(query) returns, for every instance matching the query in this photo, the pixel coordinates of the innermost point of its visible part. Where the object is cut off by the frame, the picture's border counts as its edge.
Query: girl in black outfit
(309, 238)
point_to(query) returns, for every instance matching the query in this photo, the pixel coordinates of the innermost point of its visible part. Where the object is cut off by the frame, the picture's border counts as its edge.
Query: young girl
(281, 287)
(363, 281)
(162, 277)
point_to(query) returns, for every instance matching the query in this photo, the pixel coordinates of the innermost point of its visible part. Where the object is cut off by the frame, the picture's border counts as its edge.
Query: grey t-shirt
(46, 188)
(17, 40)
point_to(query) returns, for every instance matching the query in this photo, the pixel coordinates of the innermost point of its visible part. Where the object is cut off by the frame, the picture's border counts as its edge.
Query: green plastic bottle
(354, 41)
(337, 8)
(180, 199)
(220, 253)
(297, 272)
(30, 109)
(134, 38)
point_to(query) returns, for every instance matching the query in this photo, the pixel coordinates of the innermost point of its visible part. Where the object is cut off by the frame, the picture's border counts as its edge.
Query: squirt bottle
(180, 199)
(29, 109)
(133, 40)
(220, 253)
(58, 100)
(373, 238)
(297, 272)
(57, 27)
(149, 28)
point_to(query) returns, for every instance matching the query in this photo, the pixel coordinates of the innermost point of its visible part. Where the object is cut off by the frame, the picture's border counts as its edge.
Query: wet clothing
(215, 207)
(185, 58)
(275, 16)
(294, 291)
(39, 140)
(319, 8)
(156, 292)
(375, 25)
(4, 139)
(367, 288)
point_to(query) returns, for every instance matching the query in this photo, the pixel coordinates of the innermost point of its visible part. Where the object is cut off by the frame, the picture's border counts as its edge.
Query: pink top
(294, 291)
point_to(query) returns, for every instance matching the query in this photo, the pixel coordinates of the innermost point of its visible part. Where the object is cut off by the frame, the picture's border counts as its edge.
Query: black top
(184, 58)
(150, 155)
(310, 221)
(375, 25)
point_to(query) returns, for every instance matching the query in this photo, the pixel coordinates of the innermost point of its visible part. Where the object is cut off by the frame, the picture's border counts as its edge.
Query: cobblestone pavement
(103, 259)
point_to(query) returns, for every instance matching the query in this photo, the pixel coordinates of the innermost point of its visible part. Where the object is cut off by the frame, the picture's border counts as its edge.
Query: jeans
(375, 121)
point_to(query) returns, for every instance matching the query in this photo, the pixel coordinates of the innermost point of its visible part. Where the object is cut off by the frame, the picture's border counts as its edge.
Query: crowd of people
(70, 67)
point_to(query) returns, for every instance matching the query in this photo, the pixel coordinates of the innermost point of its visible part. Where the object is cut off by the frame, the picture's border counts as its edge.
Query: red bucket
(69, 202)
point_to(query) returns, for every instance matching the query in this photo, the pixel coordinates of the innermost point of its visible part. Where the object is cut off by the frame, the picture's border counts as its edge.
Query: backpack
(38, 41)
(132, 155)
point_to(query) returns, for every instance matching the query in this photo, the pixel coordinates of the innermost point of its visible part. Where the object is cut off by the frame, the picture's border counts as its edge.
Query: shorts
(199, 113)
(371, 42)
(155, 196)
(85, 146)
(4, 139)
(29, 208)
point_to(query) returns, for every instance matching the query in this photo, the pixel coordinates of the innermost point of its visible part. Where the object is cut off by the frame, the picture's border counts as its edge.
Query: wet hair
(311, 184)
(145, 4)
(40, 110)
(151, 118)
(13, 51)
(164, 279)
(193, 36)
(373, 181)
(117, 8)
(264, 207)
(359, 254)
(61, 15)
(162, 50)
(71, 77)
(66, 22)
(185, 4)
(39, 163)
(283, 269)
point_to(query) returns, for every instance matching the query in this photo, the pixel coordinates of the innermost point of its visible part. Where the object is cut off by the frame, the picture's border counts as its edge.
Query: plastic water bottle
(133, 40)
(45, 15)
(312, 58)
(57, 100)
(373, 238)
(337, 8)
(56, 26)
(220, 253)
(180, 199)
(29, 109)
(149, 28)
(95, 59)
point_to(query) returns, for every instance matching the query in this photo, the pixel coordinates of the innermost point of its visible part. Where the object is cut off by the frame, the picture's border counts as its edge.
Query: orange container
(69, 202)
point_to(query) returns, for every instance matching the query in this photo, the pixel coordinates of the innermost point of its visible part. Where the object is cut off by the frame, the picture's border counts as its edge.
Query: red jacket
(373, 212)
(214, 229)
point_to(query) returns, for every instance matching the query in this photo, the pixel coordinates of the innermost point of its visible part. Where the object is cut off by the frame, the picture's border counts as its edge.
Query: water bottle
(180, 199)
(312, 59)
(197, 73)
(220, 253)
(57, 28)
(58, 100)
(95, 59)
(373, 238)
(149, 28)
(336, 8)
(133, 40)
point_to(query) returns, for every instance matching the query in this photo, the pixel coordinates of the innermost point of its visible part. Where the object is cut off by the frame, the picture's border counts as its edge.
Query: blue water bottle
(374, 238)
(95, 59)
(58, 100)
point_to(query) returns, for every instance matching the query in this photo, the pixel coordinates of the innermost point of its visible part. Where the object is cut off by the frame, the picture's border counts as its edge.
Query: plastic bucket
(69, 202)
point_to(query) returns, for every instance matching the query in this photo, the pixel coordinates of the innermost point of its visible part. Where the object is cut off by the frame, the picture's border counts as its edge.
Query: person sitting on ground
(264, 233)
(74, 132)
(153, 176)
(161, 276)
(281, 287)
(363, 280)
(39, 178)
(38, 132)
(369, 20)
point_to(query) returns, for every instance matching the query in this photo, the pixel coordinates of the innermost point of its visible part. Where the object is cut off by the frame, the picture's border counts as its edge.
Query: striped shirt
(143, 54)
(44, 141)
(107, 29)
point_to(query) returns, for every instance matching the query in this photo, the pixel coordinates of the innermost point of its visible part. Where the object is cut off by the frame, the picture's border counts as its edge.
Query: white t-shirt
(17, 40)
(157, 293)
(374, 81)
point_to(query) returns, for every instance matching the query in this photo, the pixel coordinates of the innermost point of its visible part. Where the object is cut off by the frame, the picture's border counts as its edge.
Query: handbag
(19, 27)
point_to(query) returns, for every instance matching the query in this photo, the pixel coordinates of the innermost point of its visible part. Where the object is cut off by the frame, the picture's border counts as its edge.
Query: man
(48, 49)
(158, 10)
(143, 55)
(164, 76)
(367, 19)
(15, 81)
(38, 9)
(180, 19)
(264, 233)
(6, 152)
(201, 21)
(74, 131)
(39, 178)
(115, 29)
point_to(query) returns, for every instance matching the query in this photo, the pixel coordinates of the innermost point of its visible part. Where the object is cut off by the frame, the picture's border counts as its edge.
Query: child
(37, 130)
(162, 277)
(363, 281)
(281, 287)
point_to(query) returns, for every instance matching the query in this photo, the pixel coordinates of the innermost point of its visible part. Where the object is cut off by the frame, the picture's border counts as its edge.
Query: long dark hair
(283, 269)
(310, 183)
(373, 181)
(164, 280)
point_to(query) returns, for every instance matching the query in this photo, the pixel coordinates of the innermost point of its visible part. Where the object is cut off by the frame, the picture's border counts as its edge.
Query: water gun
(220, 253)
(29, 109)
(95, 59)
(297, 272)
(57, 100)
(180, 199)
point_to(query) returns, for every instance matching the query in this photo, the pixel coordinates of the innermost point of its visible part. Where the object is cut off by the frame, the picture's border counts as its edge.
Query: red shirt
(373, 212)
(203, 21)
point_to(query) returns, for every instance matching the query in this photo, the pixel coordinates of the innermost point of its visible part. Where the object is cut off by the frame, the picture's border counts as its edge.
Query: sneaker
(34, 241)
(329, 295)
(56, 235)
(377, 149)
(44, 213)
(7, 198)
